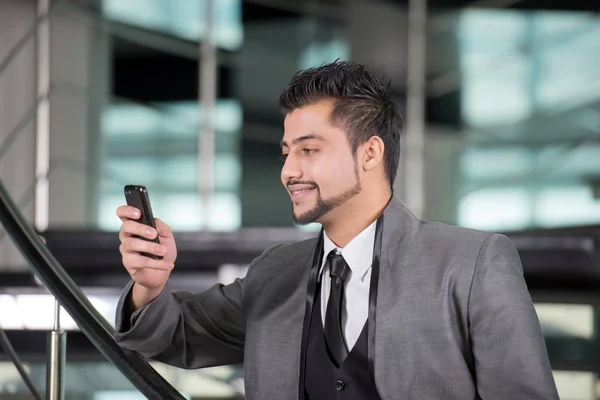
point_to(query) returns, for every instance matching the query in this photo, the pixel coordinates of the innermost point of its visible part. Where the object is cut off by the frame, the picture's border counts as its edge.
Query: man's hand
(150, 275)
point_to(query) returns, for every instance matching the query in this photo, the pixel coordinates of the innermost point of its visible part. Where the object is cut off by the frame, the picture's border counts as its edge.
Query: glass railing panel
(100, 380)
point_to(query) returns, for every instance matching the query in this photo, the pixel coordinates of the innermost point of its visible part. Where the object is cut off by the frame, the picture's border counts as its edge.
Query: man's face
(320, 172)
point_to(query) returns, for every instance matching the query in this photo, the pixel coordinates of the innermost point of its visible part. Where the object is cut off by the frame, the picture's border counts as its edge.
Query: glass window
(118, 394)
(321, 52)
(103, 381)
(566, 205)
(162, 154)
(499, 96)
(516, 208)
(181, 118)
(528, 80)
(36, 311)
(576, 385)
(226, 212)
(495, 209)
(569, 52)
(182, 211)
(227, 171)
(555, 25)
(182, 18)
(129, 119)
(495, 89)
(571, 162)
(566, 320)
(495, 162)
(180, 172)
(515, 63)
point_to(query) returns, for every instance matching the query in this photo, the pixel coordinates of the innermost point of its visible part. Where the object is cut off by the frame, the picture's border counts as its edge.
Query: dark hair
(363, 106)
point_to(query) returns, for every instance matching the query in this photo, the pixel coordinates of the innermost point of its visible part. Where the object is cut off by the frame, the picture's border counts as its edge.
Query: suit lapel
(313, 271)
(273, 363)
(396, 222)
(373, 292)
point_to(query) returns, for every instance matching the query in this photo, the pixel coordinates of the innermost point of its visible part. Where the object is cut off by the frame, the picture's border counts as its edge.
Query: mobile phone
(137, 196)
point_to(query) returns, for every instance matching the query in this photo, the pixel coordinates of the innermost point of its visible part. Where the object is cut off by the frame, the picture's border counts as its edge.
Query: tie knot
(338, 266)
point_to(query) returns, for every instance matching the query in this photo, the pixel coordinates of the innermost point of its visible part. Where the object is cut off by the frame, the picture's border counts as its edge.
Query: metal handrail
(90, 321)
(53, 276)
(12, 355)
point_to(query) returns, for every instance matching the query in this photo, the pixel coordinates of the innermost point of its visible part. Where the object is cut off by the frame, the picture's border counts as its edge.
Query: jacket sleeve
(187, 330)
(511, 361)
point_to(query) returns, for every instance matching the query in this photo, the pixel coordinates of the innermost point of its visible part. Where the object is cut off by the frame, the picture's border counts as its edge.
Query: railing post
(42, 136)
(57, 345)
(208, 95)
(414, 166)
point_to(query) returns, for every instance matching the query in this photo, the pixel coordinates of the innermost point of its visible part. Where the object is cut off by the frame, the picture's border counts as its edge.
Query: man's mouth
(299, 191)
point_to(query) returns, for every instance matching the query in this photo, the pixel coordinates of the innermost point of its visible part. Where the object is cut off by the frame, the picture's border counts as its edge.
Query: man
(382, 305)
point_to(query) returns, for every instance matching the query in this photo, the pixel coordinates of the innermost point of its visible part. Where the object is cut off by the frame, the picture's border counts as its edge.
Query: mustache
(311, 183)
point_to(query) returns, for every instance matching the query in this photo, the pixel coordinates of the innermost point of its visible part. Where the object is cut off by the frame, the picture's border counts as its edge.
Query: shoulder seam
(483, 244)
(263, 255)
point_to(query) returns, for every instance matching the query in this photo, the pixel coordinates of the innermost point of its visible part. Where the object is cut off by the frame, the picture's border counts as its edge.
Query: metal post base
(55, 367)
(55, 377)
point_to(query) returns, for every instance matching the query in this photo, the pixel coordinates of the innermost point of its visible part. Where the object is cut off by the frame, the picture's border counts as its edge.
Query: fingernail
(136, 214)
(148, 231)
(160, 249)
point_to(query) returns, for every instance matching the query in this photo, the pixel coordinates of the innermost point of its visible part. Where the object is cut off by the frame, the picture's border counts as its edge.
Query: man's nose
(291, 169)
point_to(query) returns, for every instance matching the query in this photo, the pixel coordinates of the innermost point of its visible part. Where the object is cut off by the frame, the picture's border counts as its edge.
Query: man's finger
(128, 212)
(124, 235)
(134, 261)
(137, 270)
(137, 229)
(162, 228)
(144, 246)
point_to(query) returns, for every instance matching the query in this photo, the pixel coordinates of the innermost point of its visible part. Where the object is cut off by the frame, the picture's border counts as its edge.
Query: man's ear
(373, 153)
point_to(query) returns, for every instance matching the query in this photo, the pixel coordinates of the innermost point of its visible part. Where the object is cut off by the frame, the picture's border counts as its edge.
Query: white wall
(78, 76)
(78, 88)
(17, 97)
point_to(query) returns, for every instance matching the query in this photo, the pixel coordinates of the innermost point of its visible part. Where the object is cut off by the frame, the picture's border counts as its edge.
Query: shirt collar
(358, 253)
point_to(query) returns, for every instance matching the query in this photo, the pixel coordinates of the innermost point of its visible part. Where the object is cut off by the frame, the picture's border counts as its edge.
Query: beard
(324, 206)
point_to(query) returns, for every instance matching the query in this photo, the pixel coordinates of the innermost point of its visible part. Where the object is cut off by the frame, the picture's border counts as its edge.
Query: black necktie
(338, 271)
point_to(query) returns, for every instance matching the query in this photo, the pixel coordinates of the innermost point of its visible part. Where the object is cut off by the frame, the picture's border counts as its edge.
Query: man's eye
(309, 151)
(283, 157)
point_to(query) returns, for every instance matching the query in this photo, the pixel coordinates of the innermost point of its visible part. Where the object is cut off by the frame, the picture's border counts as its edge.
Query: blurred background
(501, 100)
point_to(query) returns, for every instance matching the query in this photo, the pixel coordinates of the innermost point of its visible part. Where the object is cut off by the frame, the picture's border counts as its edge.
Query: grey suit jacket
(454, 319)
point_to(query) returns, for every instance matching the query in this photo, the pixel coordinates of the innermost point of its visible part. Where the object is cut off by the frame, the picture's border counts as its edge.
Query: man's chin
(302, 219)
(313, 215)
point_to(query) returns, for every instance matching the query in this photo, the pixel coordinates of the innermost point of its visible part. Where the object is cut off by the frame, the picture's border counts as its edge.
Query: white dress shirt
(359, 256)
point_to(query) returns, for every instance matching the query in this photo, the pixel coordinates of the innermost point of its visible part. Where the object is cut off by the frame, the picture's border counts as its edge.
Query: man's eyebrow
(310, 136)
